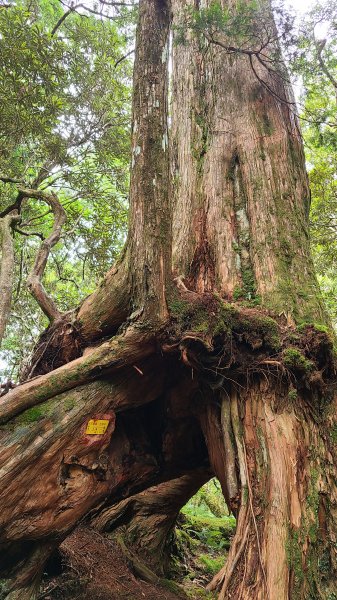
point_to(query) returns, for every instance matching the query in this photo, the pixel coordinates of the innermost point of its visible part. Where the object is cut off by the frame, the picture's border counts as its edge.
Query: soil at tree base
(91, 566)
(95, 569)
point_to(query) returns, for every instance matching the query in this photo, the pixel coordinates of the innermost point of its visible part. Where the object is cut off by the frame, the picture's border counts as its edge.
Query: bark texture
(147, 520)
(283, 547)
(241, 199)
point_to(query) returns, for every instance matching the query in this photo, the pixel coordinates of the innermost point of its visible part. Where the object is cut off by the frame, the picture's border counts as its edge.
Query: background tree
(65, 114)
(315, 63)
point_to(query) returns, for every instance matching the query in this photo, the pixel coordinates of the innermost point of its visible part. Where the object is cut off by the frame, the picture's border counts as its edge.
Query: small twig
(138, 370)
(5, 179)
(29, 233)
(123, 58)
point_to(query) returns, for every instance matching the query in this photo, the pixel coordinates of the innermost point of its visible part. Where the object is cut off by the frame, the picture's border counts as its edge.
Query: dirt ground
(92, 567)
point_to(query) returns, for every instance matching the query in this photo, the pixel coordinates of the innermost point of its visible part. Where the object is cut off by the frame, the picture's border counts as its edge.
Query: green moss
(333, 434)
(317, 566)
(294, 359)
(294, 557)
(179, 308)
(267, 125)
(171, 586)
(212, 564)
(294, 337)
(200, 142)
(248, 281)
(238, 293)
(69, 404)
(292, 394)
(31, 415)
(231, 319)
(213, 532)
(303, 326)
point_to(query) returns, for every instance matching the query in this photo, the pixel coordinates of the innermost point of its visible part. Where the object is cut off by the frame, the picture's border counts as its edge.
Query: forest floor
(91, 566)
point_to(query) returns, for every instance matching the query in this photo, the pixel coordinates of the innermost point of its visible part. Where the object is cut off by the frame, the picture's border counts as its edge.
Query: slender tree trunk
(7, 270)
(146, 267)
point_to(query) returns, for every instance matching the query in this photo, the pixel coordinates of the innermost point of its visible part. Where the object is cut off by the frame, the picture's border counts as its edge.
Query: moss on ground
(202, 542)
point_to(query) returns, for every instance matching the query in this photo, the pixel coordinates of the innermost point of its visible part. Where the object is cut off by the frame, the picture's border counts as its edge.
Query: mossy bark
(240, 223)
(284, 543)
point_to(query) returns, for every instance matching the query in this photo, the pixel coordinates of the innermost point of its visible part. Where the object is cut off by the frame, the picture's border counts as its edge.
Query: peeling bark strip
(7, 269)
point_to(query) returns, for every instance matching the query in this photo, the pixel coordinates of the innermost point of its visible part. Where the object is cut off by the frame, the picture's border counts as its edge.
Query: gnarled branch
(34, 278)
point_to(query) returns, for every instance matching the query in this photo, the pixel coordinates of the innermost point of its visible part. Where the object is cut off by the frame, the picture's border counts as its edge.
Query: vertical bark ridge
(150, 210)
(241, 189)
(284, 543)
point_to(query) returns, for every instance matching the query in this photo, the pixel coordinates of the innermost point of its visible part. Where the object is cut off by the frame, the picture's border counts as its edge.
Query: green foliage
(314, 60)
(292, 394)
(294, 359)
(203, 539)
(237, 25)
(212, 564)
(65, 119)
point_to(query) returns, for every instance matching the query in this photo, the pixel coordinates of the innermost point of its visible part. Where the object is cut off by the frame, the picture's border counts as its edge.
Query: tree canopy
(65, 120)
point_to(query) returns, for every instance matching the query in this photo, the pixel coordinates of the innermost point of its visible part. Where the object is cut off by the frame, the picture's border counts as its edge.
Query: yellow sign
(97, 426)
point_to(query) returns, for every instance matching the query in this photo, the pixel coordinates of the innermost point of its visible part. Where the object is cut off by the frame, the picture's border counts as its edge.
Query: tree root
(110, 356)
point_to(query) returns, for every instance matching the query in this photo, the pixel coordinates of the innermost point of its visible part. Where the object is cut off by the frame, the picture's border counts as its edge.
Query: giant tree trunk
(183, 357)
(240, 229)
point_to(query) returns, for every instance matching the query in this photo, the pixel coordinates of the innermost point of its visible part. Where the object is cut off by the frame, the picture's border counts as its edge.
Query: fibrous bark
(241, 199)
(283, 547)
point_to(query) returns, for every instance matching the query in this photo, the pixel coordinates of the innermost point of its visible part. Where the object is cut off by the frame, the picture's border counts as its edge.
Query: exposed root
(119, 352)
